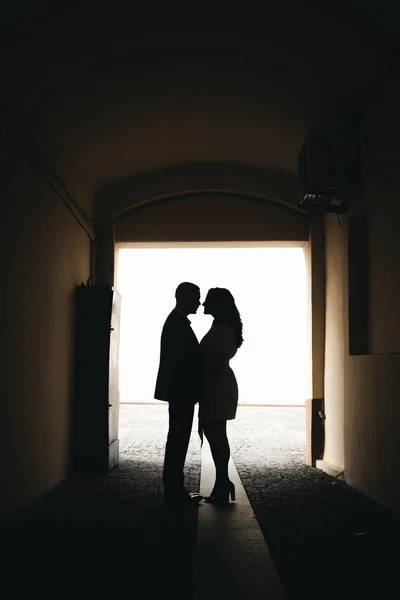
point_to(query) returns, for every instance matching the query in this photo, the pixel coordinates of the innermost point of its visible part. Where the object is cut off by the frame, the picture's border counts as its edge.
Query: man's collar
(183, 315)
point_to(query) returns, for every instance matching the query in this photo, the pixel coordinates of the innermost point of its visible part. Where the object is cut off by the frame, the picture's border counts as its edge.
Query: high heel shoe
(221, 493)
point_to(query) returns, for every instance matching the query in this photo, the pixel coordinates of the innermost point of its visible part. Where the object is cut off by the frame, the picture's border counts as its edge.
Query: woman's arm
(219, 350)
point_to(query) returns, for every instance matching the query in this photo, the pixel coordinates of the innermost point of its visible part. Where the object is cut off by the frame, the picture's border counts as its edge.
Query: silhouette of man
(178, 383)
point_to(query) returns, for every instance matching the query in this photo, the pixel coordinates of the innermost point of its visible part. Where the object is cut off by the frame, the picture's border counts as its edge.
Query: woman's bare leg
(215, 432)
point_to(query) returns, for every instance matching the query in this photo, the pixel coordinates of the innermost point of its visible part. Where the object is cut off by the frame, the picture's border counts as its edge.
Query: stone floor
(109, 537)
(327, 539)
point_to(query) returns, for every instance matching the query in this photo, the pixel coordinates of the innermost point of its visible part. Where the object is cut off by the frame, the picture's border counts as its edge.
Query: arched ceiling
(120, 95)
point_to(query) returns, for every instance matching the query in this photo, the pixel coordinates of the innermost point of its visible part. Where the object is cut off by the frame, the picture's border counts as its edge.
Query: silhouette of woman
(219, 398)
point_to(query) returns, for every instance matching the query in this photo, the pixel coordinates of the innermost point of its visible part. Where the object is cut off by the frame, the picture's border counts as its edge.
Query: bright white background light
(269, 287)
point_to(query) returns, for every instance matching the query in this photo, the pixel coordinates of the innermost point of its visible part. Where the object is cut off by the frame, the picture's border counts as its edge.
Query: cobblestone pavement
(109, 537)
(327, 539)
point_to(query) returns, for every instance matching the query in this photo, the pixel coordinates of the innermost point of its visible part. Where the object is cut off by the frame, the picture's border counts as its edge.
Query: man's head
(187, 298)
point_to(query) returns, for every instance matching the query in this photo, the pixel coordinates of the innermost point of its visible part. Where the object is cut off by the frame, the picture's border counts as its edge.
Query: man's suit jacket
(180, 367)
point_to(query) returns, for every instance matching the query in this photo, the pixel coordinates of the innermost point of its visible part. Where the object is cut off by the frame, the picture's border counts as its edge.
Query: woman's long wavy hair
(227, 312)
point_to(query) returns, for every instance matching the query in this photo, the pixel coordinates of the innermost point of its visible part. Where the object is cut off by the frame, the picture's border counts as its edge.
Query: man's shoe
(182, 501)
(194, 498)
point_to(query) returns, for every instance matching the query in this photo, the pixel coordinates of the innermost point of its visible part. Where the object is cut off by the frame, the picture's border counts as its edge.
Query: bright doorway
(269, 284)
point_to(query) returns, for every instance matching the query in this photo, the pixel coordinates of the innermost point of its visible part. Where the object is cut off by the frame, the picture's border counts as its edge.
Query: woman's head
(221, 305)
(219, 302)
